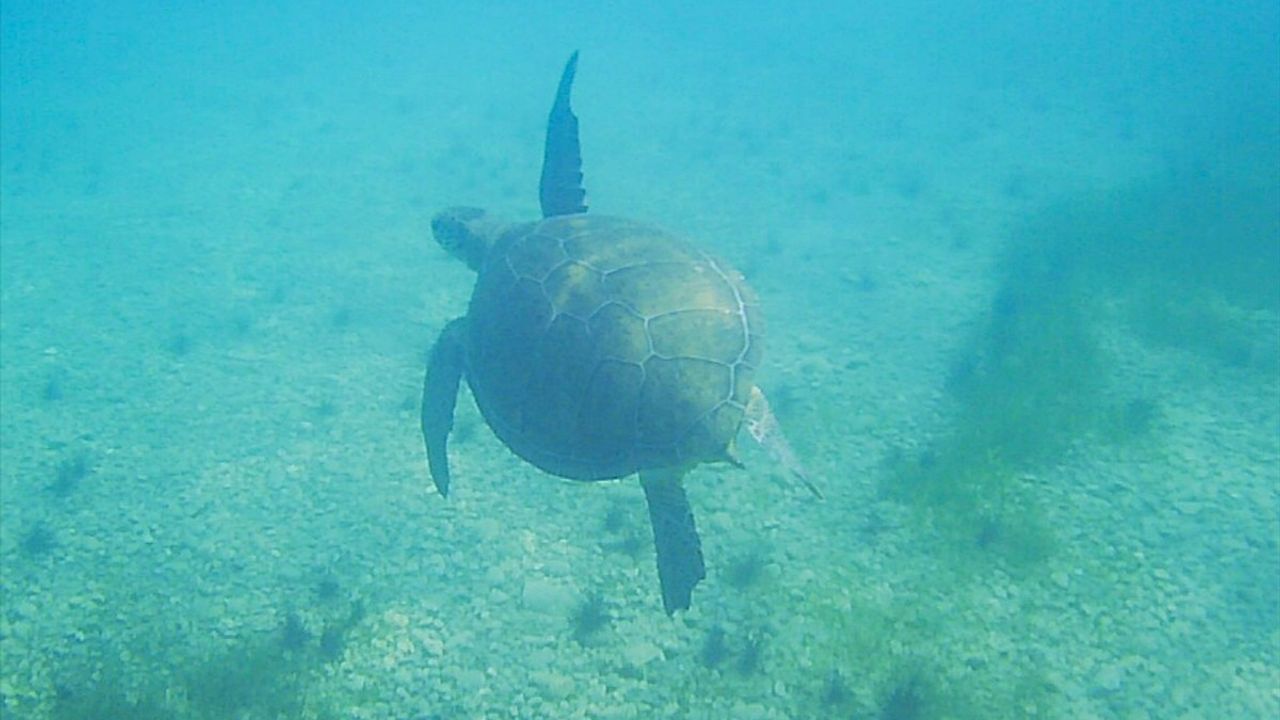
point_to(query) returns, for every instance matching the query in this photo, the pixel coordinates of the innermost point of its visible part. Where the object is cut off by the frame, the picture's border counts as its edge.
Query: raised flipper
(675, 536)
(439, 395)
(561, 190)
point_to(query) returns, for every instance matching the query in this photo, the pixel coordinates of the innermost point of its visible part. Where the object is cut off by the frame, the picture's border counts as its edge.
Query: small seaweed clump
(749, 651)
(589, 618)
(621, 535)
(751, 659)
(39, 540)
(715, 649)
(68, 475)
(906, 699)
(746, 570)
(835, 691)
(333, 639)
(294, 635)
(327, 588)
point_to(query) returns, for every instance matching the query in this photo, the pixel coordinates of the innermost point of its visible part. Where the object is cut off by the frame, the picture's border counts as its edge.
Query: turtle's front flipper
(439, 395)
(561, 190)
(674, 536)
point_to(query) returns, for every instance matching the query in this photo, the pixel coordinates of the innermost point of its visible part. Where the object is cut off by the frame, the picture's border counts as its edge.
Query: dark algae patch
(1180, 262)
(259, 676)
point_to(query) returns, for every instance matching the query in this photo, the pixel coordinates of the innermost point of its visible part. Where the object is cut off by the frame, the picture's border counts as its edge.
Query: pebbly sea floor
(1052, 483)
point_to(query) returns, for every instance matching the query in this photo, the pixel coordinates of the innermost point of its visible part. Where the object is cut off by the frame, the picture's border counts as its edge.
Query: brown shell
(600, 346)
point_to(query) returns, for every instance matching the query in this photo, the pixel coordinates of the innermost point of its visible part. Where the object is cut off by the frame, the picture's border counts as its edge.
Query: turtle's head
(467, 233)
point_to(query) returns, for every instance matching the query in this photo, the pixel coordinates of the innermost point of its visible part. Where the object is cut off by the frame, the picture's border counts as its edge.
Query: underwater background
(1021, 269)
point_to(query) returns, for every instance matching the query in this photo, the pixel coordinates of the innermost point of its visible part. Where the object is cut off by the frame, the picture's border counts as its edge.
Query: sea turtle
(598, 347)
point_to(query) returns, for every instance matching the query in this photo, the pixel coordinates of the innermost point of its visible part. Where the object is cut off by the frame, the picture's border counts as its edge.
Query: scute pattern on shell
(599, 346)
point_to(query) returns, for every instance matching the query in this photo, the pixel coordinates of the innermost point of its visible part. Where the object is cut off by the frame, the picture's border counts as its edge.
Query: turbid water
(1021, 272)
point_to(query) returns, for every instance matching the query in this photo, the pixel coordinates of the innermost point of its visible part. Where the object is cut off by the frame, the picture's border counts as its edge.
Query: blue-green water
(1021, 269)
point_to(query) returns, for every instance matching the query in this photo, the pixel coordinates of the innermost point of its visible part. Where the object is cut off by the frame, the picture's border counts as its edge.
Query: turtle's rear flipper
(675, 537)
(439, 395)
(764, 427)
